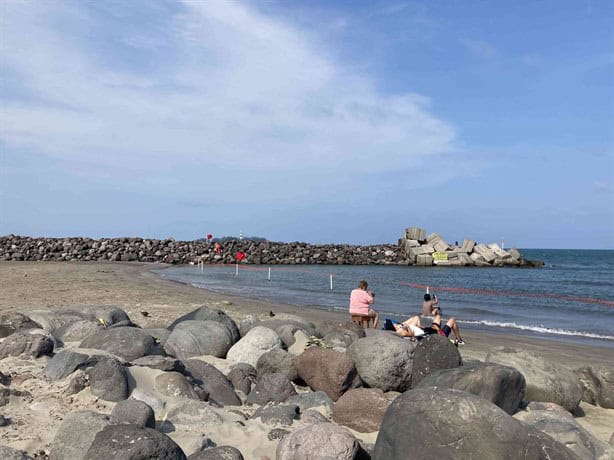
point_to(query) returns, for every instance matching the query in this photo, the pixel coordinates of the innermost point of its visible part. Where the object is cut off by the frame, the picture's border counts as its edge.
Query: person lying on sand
(450, 326)
(409, 328)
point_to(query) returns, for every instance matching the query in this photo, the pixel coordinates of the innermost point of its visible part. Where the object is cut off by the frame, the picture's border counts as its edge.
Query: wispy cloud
(479, 48)
(602, 186)
(224, 86)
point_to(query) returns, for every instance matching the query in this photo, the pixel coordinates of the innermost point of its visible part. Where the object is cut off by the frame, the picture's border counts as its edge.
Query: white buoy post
(237, 269)
(269, 278)
(331, 282)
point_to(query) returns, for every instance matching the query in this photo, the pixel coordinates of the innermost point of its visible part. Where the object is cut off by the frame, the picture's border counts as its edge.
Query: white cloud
(234, 88)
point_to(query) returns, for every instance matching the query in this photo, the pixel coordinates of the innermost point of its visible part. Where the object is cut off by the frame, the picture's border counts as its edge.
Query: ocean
(570, 299)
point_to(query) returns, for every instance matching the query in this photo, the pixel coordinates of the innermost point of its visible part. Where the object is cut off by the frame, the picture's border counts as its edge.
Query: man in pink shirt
(360, 301)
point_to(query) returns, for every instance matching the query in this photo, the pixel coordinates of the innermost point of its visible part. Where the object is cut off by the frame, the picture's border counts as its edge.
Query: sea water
(571, 298)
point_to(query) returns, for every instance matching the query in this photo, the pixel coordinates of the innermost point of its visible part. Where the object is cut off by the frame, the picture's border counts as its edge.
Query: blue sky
(316, 121)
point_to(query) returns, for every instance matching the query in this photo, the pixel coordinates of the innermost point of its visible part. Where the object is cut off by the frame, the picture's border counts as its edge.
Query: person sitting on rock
(450, 326)
(361, 300)
(429, 305)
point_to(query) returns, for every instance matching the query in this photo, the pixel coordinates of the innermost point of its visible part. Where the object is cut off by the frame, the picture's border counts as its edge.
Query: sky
(320, 121)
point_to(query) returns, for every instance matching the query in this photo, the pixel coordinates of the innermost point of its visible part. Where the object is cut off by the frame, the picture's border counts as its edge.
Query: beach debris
(271, 314)
(144, 313)
(314, 341)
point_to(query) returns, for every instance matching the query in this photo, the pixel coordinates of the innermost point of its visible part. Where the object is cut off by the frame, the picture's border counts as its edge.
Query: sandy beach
(135, 288)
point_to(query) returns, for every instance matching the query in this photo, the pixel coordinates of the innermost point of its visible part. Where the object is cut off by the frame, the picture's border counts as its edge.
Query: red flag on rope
(240, 256)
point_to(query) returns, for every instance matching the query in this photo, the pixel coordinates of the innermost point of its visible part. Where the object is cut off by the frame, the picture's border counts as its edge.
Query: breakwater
(170, 251)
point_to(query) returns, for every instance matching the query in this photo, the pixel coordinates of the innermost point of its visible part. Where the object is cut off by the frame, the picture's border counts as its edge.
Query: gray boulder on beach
(433, 352)
(65, 363)
(277, 360)
(190, 415)
(253, 345)
(109, 380)
(277, 414)
(160, 335)
(327, 370)
(501, 385)
(242, 376)
(76, 434)
(32, 343)
(8, 453)
(325, 441)
(77, 331)
(12, 322)
(175, 385)
(362, 409)
(132, 442)
(205, 313)
(133, 412)
(343, 335)
(555, 421)
(52, 319)
(598, 385)
(164, 363)
(271, 387)
(453, 424)
(546, 381)
(213, 381)
(217, 453)
(384, 361)
(312, 400)
(192, 338)
(128, 343)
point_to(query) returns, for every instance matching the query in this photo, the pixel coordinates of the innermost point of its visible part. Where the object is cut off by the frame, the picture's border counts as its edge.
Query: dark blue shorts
(446, 329)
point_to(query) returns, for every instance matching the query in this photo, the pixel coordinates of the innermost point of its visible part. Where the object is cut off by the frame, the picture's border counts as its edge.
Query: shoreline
(134, 286)
(152, 301)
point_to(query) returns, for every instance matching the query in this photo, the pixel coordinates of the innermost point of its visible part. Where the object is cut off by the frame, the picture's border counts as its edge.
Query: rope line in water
(493, 292)
(458, 290)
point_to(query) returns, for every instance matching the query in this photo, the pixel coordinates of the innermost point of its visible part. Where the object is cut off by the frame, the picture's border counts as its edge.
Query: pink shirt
(360, 301)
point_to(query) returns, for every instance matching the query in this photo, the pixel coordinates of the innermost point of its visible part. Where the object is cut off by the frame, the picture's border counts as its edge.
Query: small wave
(540, 329)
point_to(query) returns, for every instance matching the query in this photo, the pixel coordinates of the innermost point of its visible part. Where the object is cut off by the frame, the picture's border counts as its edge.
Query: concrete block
(441, 246)
(424, 259)
(485, 252)
(514, 253)
(494, 247)
(415, 233)
(420, 250)
(467, 246)
(475, 257)
(408, 244)
(433, 237)
(464, 259)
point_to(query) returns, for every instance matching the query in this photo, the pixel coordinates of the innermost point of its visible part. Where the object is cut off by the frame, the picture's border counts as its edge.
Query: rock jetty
(108, 397)
(414, 248)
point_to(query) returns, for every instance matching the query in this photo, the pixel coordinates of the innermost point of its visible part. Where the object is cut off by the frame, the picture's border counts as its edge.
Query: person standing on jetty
(361, 300)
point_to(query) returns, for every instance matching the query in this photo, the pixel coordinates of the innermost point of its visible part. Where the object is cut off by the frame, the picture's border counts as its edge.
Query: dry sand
(135, 288)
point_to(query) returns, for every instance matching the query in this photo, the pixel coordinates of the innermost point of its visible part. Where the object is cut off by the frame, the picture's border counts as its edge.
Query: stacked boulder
(426, 250)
